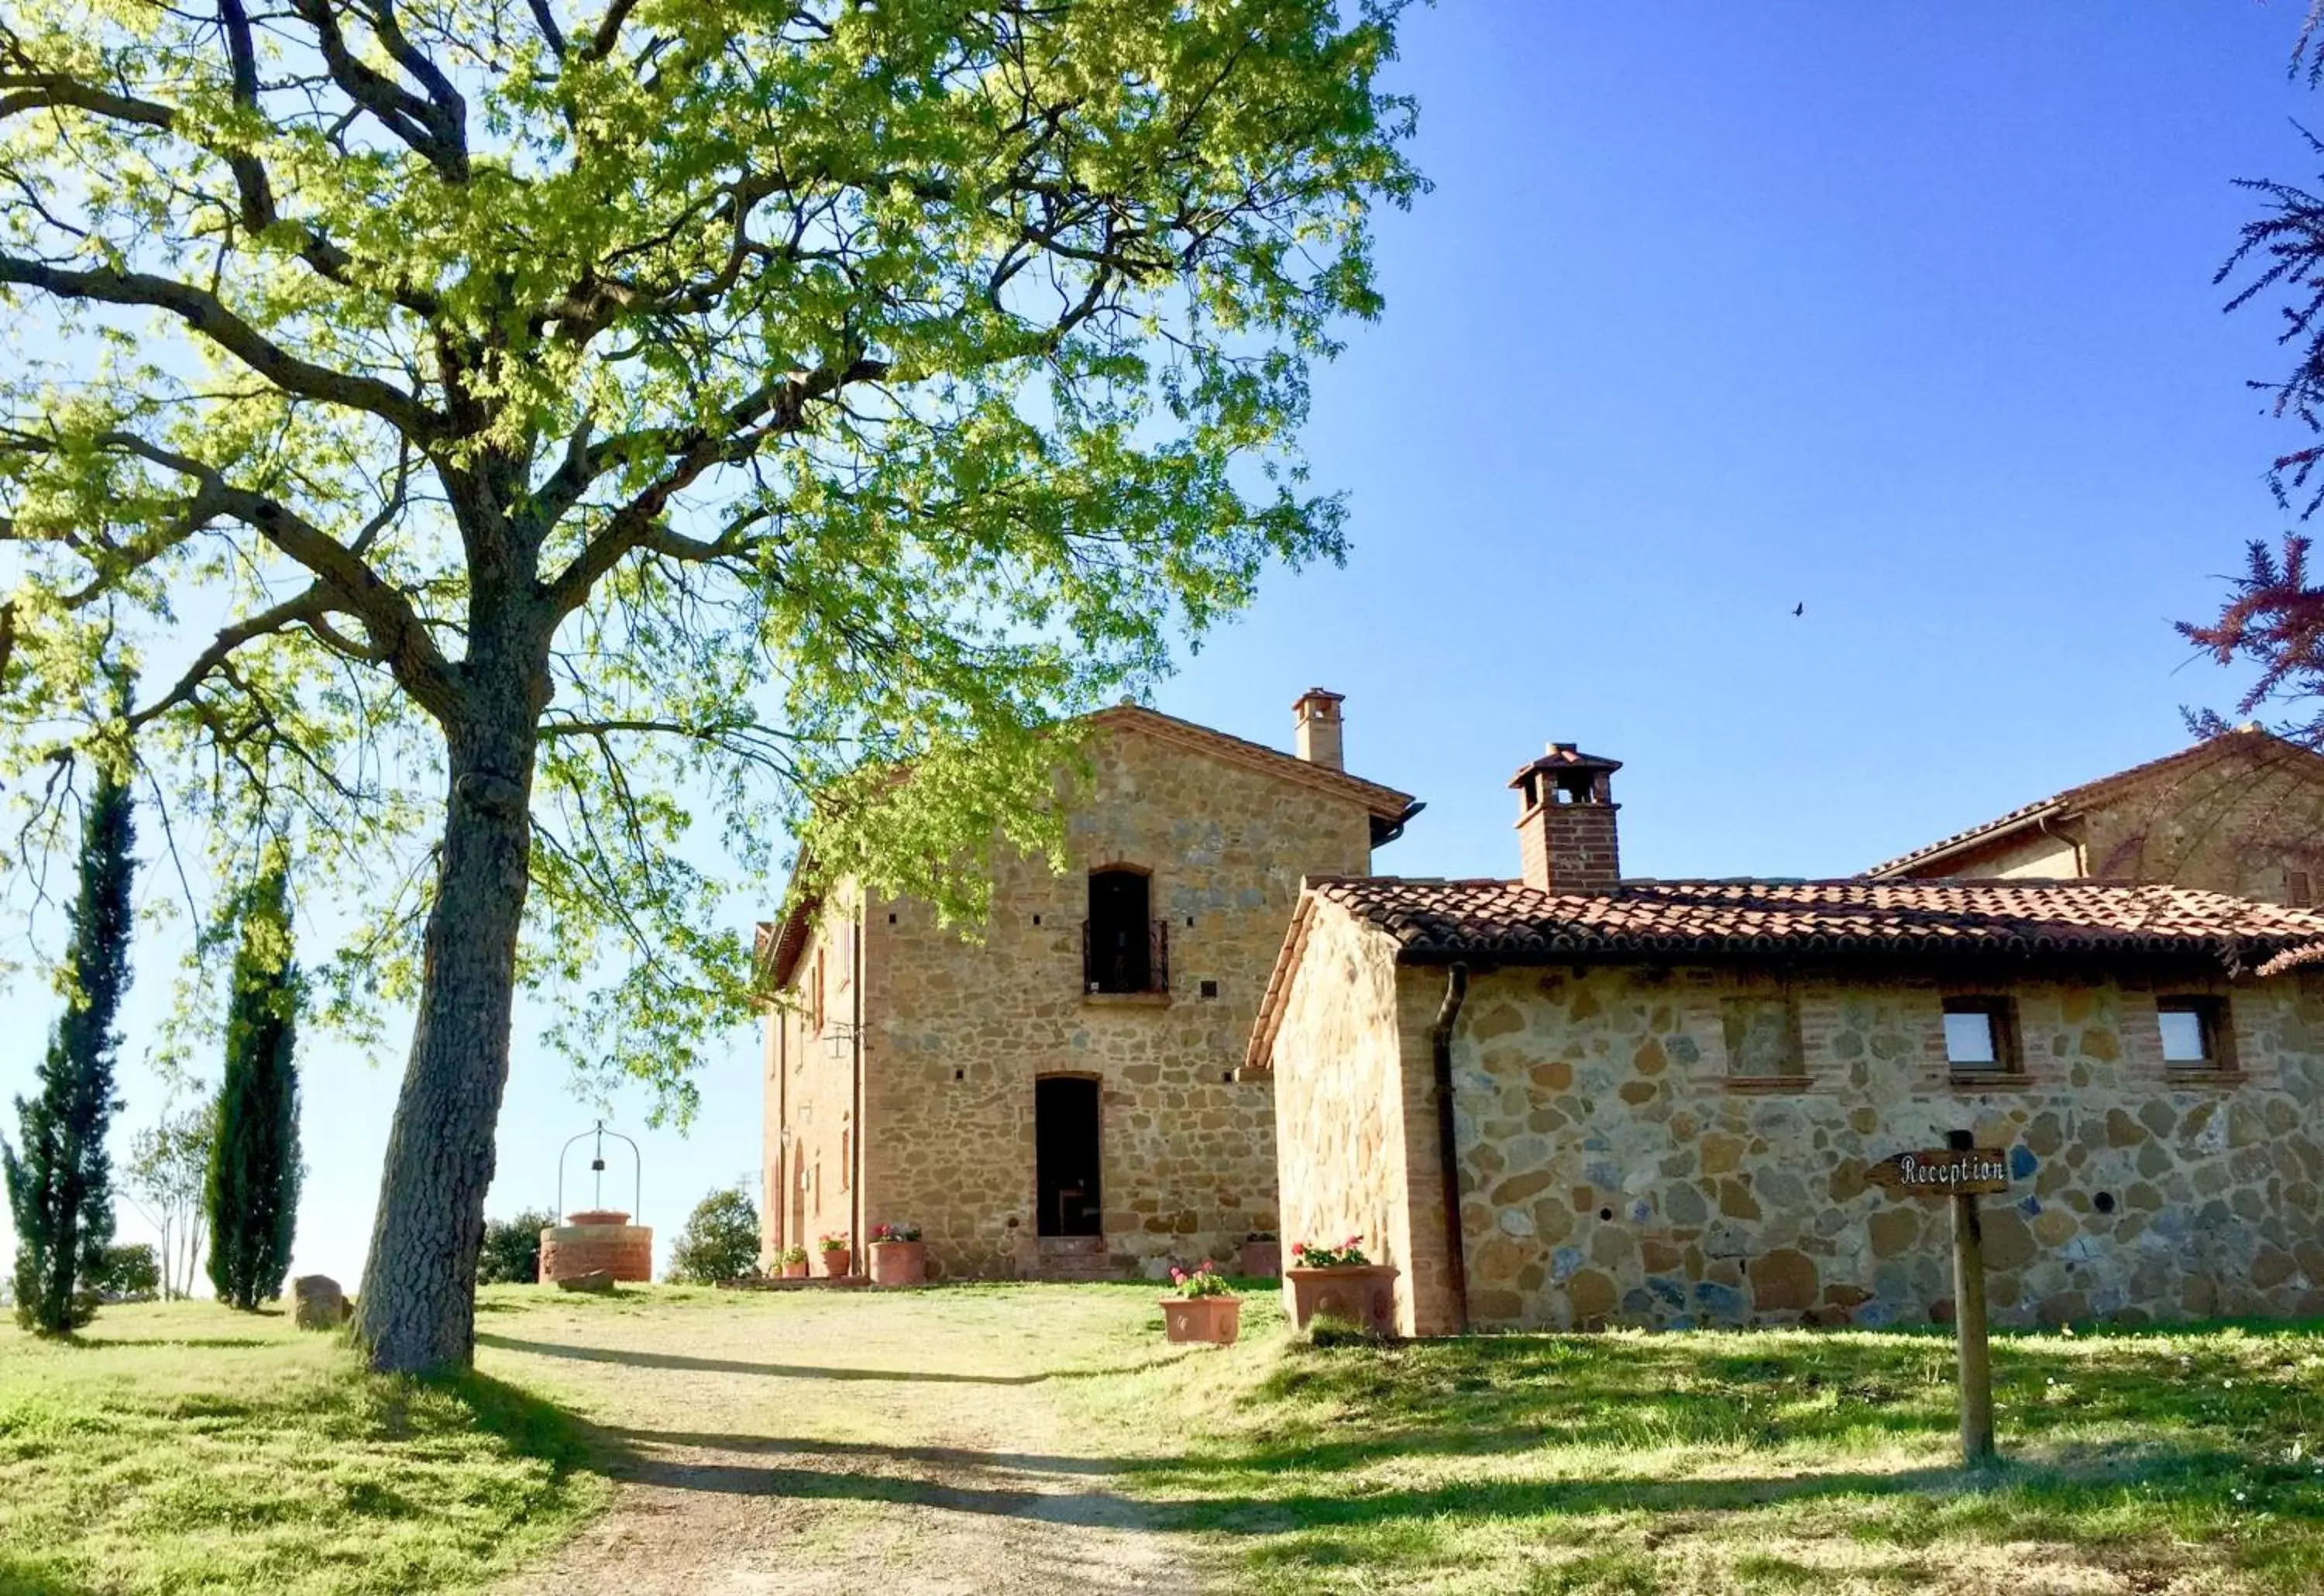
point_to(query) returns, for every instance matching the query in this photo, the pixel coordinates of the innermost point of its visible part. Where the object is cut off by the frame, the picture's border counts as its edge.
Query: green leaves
(786, 397)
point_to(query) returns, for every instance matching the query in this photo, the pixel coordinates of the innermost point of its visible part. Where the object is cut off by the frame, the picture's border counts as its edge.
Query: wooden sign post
(1961, 1172)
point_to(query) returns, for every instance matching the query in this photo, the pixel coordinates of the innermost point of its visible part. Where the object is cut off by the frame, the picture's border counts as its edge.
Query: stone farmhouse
(1570, 1100)
(1060, 1097)
(2241, 812)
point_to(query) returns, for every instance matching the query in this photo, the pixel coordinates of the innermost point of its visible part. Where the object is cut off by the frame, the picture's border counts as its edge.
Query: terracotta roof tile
(1512, 923)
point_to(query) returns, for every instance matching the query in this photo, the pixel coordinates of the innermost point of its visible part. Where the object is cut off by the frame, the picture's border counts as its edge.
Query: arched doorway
(1065, 1156)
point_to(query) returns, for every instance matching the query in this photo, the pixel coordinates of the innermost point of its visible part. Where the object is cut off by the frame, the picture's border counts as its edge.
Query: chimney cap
(1318, 695)
(1566, 756)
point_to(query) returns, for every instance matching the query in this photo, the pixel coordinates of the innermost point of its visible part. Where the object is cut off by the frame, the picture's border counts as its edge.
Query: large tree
(252, 1193)
(570, 414)
(60, 1176)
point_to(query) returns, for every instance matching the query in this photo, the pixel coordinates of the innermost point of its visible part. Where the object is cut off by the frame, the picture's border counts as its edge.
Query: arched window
(1120, 940)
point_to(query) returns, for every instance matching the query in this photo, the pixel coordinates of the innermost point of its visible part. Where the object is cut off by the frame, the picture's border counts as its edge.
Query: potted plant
(838, 1252)
(794, 1262)
(1262, 1257)
(1340, 1283)
(1205, 1308)
(899, 1257)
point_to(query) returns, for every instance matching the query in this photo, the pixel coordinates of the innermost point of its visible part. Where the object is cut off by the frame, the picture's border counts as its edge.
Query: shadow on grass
(21, 1576)
(98, 1344)
(860, 1452)
(2134, 1450)
(679, 1361)
(532, 1426)
(2008, 1503)
(1835, 1390)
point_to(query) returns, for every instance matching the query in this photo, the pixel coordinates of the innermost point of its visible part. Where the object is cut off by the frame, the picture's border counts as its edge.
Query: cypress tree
(61, 1182)
(253, 1175)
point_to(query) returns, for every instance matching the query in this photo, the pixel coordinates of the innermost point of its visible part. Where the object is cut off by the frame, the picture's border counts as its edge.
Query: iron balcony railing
(1126, 956)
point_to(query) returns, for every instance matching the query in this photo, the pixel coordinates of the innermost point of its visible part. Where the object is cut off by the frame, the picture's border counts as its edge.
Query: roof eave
(1901, 867)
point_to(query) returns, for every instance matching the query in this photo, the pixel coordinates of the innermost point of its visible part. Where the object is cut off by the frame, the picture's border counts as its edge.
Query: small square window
(1763, 1038)
(1981, 1038)
(2194, 1032)
(1210, 988)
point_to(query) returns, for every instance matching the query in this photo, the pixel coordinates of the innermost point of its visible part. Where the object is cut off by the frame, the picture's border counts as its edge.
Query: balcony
(1126, 958)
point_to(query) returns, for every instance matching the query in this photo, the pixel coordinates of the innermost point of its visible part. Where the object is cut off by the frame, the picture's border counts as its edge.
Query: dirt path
(841, 1444)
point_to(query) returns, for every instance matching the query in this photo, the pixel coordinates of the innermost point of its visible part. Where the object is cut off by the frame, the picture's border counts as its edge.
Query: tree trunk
(415, 1312)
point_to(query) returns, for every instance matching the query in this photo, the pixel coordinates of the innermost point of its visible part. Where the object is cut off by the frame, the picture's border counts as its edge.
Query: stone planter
(596, 1240)
(1259, 1260)
(1363, 1295)
(835, 1261)
(795, 1271)
(899, 1263)
(1216, 1319)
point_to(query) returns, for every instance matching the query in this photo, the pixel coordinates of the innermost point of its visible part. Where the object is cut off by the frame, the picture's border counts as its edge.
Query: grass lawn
(885, 1438)
(1765, 1461)
(184, 1447)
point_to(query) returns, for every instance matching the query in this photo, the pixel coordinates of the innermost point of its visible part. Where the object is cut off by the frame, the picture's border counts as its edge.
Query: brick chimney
(1319, 728)
(1567, 841)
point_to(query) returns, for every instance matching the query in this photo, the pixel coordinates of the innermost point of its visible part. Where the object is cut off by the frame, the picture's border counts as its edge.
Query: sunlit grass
(1768, 1461)
(189, 1449)
(184, 1447)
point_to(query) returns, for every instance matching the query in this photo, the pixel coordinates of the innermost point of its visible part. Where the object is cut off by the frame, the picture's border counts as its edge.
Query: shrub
(131, 1273)
(720, 1242)
(895, 1232)
(511, 1251)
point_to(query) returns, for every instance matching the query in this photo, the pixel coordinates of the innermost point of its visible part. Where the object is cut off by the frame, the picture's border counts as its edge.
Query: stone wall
(1615, 1174)
(960, 1030)
(1349, 1107)
(2242, 823)
(809, 1151)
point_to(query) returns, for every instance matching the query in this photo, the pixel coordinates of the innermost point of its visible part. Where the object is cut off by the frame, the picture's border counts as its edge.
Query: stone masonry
(1665, 1095)
(1614, 1171)
(2241, 812)
(955, 1032)
(1617, 1172)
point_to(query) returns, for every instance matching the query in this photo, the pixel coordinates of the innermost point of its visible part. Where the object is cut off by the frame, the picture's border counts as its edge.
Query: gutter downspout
(2081, 854)
(1448, 1145)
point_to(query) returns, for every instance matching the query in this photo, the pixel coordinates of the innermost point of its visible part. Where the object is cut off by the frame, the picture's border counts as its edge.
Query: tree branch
(397, 632)
(422, 125)
(204, 312)
(305, 606)
(774, 409)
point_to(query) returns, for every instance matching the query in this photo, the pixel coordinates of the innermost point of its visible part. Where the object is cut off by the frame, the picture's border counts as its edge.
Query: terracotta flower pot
(1202, 1318)
(795, 1271)
(1358, 1294)
(836, 1259)
(1261, 1260)
(899, 1263)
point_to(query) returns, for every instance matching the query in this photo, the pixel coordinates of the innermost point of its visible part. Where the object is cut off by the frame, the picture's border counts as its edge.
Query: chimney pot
(1319, 728)
(1567, 839)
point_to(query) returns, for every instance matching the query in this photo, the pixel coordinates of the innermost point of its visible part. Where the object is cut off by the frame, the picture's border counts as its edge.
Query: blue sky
(1903, 313)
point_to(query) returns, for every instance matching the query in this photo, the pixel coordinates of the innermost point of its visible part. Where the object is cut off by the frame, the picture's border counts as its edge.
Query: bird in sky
(1800, 608)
